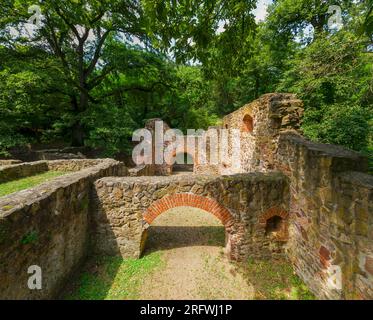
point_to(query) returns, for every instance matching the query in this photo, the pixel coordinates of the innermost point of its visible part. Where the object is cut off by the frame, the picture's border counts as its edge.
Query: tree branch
(97, 53)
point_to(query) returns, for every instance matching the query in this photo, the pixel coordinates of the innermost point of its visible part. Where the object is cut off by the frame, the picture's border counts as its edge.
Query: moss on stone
(30, 238)
(8, 207)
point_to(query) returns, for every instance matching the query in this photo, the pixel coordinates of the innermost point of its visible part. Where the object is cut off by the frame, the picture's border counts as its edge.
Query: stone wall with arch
(311, 202)
(124, 208)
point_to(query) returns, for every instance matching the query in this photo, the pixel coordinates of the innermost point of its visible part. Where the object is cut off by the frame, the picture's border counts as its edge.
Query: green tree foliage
(367, 25)
(100, 72)
(333, 75)
(330, 70)
(94, 71)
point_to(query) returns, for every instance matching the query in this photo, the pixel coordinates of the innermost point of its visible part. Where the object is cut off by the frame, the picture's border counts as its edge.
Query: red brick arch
(188, 200)
(275, 211)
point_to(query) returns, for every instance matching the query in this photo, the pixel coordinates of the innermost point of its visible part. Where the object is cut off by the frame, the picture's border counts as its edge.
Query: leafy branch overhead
(93, 71)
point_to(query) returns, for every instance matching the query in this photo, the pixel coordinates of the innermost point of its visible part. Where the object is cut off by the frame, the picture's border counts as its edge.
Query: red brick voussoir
(189, 200)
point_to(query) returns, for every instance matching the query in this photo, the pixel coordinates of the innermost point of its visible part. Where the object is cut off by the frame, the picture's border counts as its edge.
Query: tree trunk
(77, 129)
(77, 135)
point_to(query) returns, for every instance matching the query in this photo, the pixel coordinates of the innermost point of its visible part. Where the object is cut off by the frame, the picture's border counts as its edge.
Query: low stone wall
(143, 170)
(58, 156)
(74, 164)
(331, 217)
(26, 169)
(124, 207)
(9, 162)
(33, 153)
(48, 226)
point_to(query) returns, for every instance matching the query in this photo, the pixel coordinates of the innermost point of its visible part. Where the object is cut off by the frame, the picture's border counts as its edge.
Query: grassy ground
(275, 280)
(184, 260)
(112, 278)
(28, 182)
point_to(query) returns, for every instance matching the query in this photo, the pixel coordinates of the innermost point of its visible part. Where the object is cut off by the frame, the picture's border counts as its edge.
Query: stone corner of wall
(360, 179)
(342, 159)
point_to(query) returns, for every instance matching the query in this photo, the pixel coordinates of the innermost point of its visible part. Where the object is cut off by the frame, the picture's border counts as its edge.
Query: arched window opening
(247, 124)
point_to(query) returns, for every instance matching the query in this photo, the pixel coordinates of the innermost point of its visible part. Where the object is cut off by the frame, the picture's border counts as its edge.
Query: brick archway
(160, 206)
(188, 200)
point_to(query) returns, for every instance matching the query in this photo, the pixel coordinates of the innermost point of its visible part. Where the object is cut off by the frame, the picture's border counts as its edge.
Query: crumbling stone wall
(34, 153)
(158, 169)
(74, 164)
(309, 200)
(22, 170)
(208, 167)
(26, 169)
(48, 226)
(330, 240)
(143, 170)
(58, 154)
(9, 162)
(124, 207)
(271, 114)
(166, 168)
(330, 217)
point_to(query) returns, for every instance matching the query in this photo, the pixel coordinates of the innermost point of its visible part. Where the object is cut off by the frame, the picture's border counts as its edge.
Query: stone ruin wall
(32, 153)
(125, 207)
(9, 162)
(158, 169)
(26, 169)
(49, 226)
(270, 114)
(166, 169)
(331, 215)
(324, 199)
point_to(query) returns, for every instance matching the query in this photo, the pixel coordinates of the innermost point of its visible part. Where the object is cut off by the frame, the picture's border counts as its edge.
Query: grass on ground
(113, 278)
(28, 182)
(275, 280)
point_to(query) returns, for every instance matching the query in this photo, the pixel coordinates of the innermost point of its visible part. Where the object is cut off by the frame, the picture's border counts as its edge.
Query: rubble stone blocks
(49, 226)
(125, 207)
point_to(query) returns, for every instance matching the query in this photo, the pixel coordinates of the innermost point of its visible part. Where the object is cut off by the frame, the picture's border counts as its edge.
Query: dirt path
(192, 243)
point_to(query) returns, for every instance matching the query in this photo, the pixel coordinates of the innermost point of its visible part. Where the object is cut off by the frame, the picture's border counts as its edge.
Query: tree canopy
(93, 71)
